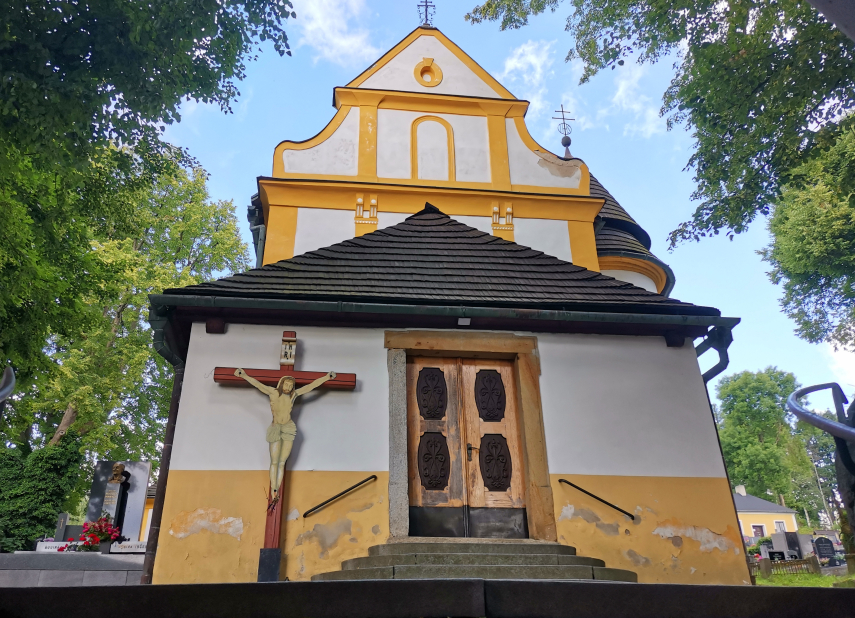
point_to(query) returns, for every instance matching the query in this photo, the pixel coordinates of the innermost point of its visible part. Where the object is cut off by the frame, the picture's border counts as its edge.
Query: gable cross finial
(565, 129)
(427, 10)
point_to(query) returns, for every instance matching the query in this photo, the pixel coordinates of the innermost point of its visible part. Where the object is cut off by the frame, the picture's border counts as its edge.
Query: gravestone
(777, 556)
(124, 502)
(824, 548)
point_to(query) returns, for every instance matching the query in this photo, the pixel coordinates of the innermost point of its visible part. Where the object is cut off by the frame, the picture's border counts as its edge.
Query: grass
(802, 579)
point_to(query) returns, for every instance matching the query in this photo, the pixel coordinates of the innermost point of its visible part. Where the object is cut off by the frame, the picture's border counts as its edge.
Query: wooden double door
(464, 449)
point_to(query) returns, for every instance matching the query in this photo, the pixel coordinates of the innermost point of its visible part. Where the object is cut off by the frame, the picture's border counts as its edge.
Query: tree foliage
(813, 244)
(761, 83)
(85, 89)
(34, 487)
(765, 449)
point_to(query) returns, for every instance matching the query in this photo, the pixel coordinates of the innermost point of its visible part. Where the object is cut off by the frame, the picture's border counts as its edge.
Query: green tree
(762, 84)
(812, 252)
(107, 383)
(820, 449)
(757, 437)
(85, 90)
(34, 488)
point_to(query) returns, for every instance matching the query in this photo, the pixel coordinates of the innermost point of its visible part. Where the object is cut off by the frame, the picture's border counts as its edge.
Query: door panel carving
(490, 395)
(496, 465)
(434, 460)
(432, 393)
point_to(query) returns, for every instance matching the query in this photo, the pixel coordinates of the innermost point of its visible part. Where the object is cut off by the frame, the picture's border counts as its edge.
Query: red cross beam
(270, 377)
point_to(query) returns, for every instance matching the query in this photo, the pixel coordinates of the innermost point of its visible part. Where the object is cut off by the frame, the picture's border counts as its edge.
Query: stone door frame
(520, 349)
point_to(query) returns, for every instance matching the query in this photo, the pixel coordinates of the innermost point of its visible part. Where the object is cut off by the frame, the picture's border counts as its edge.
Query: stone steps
(469, 560)
(576, 572)
(475, 559)
(472, 547)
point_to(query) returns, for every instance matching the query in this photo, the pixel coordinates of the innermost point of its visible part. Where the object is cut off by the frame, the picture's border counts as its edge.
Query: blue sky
(618, 133)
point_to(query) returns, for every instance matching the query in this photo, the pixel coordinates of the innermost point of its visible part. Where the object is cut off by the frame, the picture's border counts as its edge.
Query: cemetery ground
(802, 580)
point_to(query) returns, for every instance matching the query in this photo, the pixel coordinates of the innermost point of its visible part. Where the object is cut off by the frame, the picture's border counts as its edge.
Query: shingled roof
(433, 259)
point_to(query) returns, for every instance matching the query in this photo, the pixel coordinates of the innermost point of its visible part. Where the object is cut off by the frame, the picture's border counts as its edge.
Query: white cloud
(842, 365)
(326, 27)
(628, 98)
(529, 65)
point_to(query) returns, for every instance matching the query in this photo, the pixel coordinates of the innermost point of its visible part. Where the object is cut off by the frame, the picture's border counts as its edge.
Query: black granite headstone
(824, 547)
(776, 556)
(125, 502)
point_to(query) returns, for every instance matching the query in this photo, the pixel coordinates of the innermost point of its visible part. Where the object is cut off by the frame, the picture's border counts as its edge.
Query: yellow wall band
(642, 267)
(281, 234)
(583, 246)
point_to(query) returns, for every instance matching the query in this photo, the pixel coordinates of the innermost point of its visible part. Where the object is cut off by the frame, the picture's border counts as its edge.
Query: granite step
(568, 572)
(470, 559)
(471, 547)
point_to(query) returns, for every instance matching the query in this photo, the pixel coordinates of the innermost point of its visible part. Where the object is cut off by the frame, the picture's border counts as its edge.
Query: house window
(780, 526)
(758, 530)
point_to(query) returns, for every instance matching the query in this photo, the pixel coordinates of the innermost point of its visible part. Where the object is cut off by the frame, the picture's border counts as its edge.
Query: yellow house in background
(759, 518)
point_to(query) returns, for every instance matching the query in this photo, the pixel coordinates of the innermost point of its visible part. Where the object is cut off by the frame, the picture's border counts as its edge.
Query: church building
(457, 357)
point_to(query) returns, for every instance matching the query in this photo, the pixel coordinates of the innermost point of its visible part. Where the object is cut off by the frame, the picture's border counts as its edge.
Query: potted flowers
(97, 535)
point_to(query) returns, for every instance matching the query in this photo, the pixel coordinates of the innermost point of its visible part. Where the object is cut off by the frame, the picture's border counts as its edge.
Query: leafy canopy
(813, 244)
(761, 84)
(764, 448)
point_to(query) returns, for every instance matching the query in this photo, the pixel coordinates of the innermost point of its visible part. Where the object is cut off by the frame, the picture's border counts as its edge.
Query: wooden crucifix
(282, 386)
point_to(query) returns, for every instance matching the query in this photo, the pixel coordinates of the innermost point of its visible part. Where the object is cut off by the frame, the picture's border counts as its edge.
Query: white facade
(336, 156)
(457, 78)
(612, 405)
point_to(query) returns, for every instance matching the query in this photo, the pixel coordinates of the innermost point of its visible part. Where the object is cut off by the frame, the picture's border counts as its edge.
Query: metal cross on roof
(427, 10)
(565, 129)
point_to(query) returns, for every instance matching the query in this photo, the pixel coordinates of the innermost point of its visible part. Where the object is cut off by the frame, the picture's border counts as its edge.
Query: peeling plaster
(558, 167)
(609, 529)
(375, 530)
(193, 522)
(636, 558)
(293, 515)
(708, 539)
(327, 536)
(677, 541)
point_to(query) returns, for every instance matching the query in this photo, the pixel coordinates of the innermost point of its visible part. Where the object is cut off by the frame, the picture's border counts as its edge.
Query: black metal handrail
(617, 508)
(373, 477)
(841, 431)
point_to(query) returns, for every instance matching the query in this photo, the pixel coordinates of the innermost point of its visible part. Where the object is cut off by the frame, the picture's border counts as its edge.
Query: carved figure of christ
(282, 430)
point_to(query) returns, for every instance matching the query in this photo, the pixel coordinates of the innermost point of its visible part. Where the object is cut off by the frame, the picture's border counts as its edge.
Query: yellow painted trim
(504, 231)
(583, 246)
(368, 142)
(281, 233)
(410, 198)
(500, 171)
(320, 138)
(428, 67)
(642, 267)
(430, 102)
(365, 226)
(414, 147)
(450, 45)
(584, 183)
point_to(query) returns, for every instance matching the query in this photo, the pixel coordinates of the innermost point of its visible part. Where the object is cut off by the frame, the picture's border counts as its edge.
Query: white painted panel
(529, 169)
(471, 148)
(222, 428)
(485, 224)
(432, 143)
(388, 219)
(338, 155)
(457, 78)
(547, 235)
(634, 278)
(471, 145)
(322, 227)
(625, 406)
(394, 152)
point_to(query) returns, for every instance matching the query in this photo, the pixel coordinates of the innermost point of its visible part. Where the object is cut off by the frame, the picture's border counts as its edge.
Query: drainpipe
(261, 232)
(158, 322)
(719, 339)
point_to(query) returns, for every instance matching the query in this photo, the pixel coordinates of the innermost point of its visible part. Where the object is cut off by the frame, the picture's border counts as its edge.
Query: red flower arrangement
(94, 533)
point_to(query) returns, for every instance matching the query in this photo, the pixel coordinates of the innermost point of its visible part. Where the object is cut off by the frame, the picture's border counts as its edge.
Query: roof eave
(334, 306)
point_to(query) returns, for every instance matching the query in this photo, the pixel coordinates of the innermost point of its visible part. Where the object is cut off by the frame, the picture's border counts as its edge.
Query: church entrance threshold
(464, 449)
